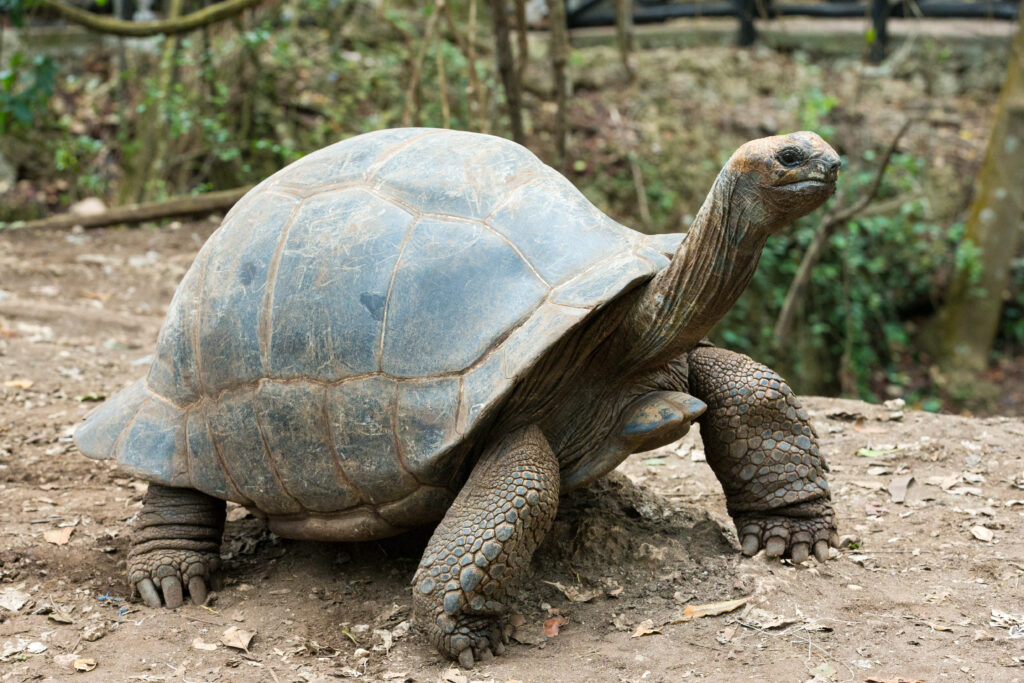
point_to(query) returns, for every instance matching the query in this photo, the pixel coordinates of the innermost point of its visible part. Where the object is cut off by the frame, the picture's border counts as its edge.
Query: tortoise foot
(794, 532)
(469, 638)
(162, 577)
(175, 546)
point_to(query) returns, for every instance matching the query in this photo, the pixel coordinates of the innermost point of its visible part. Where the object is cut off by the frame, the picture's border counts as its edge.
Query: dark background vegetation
(127, 120)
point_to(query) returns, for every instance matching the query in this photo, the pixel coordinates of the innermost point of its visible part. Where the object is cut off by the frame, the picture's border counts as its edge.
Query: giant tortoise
(419, 326)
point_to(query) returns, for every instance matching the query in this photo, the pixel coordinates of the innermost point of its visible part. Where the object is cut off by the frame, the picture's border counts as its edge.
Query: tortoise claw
(197, 589)
(821, 551)
(148, 592)
(466, 658)
(751, 545)
(800, 553)
(171, 587)
(775, 546)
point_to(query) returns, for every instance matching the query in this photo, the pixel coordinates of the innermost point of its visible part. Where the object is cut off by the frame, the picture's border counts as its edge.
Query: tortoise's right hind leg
(175, 545)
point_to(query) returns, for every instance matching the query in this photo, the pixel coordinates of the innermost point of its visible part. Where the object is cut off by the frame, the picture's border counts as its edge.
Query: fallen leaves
(12, 598)
(59, 536)
(575, 594)
(645, 628)
(237, 638)
(198, 644)
(553, 625)
(691, 612)
(898, 487)
(84, 664)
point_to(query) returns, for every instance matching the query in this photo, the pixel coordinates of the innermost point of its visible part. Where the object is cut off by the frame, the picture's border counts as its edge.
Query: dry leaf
(982, 534)
(898, 487)
(58, 536)
(237, 638)
(84, 664)
(575, 594)
(198, 644)
(12, 598)
(691, 612)
(645, 628)
(19, 383)
(552, 626)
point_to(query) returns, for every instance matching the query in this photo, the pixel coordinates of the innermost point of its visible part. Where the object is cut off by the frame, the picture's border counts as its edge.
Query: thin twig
(442, 83)
(784, 323)
(411, 99)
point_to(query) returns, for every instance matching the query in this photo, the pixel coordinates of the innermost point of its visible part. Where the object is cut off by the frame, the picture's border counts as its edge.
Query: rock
(90, 206)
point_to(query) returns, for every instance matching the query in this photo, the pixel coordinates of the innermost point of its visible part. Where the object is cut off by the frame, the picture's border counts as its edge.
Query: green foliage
(25, 89)
(815, 107)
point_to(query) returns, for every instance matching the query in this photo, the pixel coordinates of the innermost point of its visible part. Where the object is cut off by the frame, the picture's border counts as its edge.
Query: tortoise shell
(342, 337)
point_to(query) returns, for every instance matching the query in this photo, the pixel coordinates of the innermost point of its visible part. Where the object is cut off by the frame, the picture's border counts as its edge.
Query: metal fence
(602, 13)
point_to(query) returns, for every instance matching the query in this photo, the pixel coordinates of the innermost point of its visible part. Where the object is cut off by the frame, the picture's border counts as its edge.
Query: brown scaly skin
(576, 415)
(175, 545)
(761, 446)
(484, 543)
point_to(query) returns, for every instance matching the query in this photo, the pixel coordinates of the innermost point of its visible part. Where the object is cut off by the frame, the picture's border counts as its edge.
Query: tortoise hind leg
(484, 544)
(175, 545)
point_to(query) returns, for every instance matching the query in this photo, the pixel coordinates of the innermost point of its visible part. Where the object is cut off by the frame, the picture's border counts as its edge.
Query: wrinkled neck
(713, 265)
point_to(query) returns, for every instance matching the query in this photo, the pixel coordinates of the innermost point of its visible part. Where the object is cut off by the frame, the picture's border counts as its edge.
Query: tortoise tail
(143, 432)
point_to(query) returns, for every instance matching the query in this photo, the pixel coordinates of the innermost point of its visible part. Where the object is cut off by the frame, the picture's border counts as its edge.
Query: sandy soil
(926, 588)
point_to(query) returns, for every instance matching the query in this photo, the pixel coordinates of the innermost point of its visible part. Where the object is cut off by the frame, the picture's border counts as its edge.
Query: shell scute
(234, 286)
(155, 431)
(206, 473)
(460, 174)
(343, 161)
(236, 432)
(100, 433)
(426, 427)
(361, 413)
(457, 286)
(174, 373)
(559, 238)
(328, 298)
(603, 281)
(293, 419)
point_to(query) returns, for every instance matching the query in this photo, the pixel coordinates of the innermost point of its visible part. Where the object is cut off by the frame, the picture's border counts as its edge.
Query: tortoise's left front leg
(761, 446)
(484, 544)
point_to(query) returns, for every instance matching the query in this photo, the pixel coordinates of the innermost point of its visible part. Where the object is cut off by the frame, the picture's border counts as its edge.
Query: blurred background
(128, 115)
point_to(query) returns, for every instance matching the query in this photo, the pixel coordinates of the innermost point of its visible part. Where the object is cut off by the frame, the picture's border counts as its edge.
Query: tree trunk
(506, 67)
(624, 32)
(152, 131)
(970, 318)
(559, 59)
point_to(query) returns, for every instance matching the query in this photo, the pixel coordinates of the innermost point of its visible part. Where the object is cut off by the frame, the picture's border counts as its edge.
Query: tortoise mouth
(814, 183)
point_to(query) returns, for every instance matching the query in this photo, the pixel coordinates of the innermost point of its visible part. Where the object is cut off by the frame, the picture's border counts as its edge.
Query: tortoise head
(783, 177)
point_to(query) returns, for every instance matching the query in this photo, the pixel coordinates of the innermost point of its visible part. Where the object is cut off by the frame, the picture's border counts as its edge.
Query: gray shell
(357, 316)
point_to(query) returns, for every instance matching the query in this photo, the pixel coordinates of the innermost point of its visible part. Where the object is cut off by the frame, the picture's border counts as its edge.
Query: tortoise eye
(790, 156)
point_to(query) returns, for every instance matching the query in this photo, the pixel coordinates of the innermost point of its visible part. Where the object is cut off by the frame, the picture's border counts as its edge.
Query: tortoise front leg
(175, 545)
(484, 544)
(761, 446)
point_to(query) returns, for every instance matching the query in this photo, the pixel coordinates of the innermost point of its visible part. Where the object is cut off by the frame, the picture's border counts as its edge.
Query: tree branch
(189, 22)
(797, 288)
(188, 205)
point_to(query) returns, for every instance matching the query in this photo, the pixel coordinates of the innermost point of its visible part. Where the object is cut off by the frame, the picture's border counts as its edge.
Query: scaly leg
(484, 544)
(175, 545)
(761, 446)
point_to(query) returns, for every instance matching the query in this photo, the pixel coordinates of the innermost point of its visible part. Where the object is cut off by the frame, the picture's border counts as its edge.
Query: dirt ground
(926, 588)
